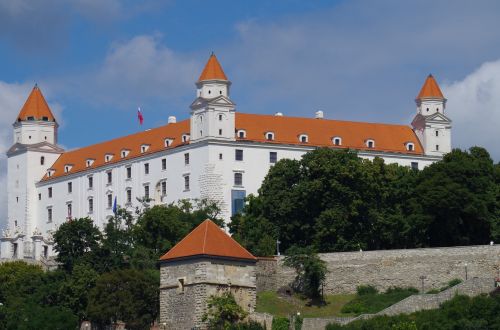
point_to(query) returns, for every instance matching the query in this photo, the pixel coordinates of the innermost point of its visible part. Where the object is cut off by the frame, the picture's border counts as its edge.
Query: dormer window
(370, 143)
(31, 118)
(337, 141)
(185, 137)
(303, 138)
(168, 142)
(124, 153)
(241, 133)
(108, 157)
(50, 172)
(144, 148)
(410, 146)
(89, 162)
(269, 136)
(67, 168)
(45, 118)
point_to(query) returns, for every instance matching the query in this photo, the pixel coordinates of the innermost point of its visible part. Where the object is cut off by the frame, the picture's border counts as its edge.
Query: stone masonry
(391, 268)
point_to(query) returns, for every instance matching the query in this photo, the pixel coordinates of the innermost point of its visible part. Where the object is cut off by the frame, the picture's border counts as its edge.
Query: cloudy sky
(96, 61)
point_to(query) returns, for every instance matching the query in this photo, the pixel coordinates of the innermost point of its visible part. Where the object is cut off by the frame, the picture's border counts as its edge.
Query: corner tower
(33, 152)
(212, 112)
(432, 126)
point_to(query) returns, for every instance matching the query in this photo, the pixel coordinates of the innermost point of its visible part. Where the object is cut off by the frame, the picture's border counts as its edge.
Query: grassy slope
(269, 302)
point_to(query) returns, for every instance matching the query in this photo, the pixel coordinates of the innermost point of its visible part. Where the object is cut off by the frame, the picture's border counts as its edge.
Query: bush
(366, 289)
(280, 323)
(251, 325)
(223, 311)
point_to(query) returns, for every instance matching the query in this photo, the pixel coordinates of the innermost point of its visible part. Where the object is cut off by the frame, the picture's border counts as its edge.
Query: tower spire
(35, 107)
(213, 70)
(430, 89)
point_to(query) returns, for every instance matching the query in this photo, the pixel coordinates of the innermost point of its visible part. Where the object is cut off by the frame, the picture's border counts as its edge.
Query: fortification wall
(390, 268)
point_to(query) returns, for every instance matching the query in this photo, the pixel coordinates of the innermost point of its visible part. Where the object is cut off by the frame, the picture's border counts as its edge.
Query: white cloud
(474, 107)
(12, 98)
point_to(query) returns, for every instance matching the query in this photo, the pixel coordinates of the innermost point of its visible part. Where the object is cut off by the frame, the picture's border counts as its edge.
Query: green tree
(75, 241)
(126, 295)
(223, 311)
(310, 269)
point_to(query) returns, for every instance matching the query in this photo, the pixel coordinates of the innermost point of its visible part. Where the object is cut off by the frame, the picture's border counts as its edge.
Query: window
(237, 201)
(185, 137)
(49, 214)
(414, 165)
(273, 157)
(67, 168)
(70, 210)
(220, 156)
(50, 192)
(91, 205)
(186, 182)
(110, 201)
(437, 133)
(146, 168)
(45, 118)
(269, 136)
(129, 196)
(42, 160)
(89, 162)
(39, 197)
(91, 182)
(144, 148)
(110, 177)
(168, 142)
(337, 141)
(125, 153)
(437, 147)
(180, 288)
(146, 192)
(242, 134)
(238, 154)
(164, 188)
(129, 172)
(186, 159)
(238, 179)
(45, 251)
(220, 131)
(303, 138)
(163, 164)
(370, 143)
(108, 157)
(70, 187)
(220, 117)
(410, 146)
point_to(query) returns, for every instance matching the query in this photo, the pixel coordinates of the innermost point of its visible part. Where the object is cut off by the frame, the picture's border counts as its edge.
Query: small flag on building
(115, 207)
(139, 116)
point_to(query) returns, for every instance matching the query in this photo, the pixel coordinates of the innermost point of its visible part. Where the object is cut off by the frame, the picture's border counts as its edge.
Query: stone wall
(390, 268)
(266, 269)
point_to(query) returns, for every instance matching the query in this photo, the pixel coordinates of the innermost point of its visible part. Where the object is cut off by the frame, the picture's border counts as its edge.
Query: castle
(218, 153)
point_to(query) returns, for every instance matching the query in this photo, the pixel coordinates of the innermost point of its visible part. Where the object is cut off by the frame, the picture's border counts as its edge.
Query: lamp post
(278, 242)
(422, 278)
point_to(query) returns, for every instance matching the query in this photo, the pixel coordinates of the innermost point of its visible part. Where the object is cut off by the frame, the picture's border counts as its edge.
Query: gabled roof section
(213, 70)
(430, 89)
(155, 138)
(387, 137)
(35, 107)
(208, 239)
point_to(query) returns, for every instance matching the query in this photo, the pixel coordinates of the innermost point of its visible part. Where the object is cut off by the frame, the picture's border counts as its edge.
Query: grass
(270, 302)
(370, 301)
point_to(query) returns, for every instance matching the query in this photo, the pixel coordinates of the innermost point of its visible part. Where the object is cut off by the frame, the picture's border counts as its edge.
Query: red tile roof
(430, 89)
(208, 239)
(35, 107)
(213, 70)
(387, 138)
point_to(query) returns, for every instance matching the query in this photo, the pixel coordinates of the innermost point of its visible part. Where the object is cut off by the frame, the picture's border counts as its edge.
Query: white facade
(221, 166)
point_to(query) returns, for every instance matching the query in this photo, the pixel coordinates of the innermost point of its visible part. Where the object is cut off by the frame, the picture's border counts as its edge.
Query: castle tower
(206, 262)
(212, 112)
(33, 152)
(431, 124)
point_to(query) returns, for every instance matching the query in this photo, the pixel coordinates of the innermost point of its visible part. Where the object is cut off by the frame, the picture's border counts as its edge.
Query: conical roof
(35, 107)
(213, 70)
(208, 239)
(430, 89)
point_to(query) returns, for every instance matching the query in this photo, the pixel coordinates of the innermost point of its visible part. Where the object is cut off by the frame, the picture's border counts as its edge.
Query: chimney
(319, 114)
(172, 119)
(279, 114)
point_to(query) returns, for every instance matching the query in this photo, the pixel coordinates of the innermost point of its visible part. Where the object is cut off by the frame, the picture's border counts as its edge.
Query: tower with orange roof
(431, 125)
(33, 152)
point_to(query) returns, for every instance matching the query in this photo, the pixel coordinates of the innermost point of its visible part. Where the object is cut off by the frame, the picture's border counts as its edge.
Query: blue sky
(98, 60)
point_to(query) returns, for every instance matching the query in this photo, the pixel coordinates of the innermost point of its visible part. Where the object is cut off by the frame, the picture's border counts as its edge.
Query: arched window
(269, 136)
(410, 146)
(337, 141)
(185, 137)
(303, 138)
(370, 143)
(242, 133)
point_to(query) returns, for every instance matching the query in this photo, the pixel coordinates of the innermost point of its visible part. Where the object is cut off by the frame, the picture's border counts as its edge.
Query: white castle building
(218, 153)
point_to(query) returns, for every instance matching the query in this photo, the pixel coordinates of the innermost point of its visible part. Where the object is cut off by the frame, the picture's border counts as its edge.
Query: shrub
(280, 323)
(251, 325)
(366, 289)
(223, 311)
